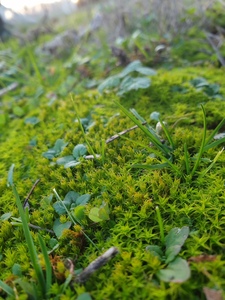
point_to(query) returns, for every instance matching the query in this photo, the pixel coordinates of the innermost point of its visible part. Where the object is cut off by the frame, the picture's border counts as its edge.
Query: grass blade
(156, 141)
(214, 132)
(47, 265)
(214, 144)
(202, 144)
(212, 163)
(82, 130)
(30, 243)
(157, 153)
(73, 220)
(186, 157)
(160, 222)
(168, 135)
(150, 167)
(6, 288)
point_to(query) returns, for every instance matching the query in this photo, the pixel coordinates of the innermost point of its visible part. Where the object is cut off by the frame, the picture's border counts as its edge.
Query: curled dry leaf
(202, 258)
(212, 294)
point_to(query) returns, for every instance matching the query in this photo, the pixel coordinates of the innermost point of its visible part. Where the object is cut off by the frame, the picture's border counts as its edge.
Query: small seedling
(71, 216)
(69, 161)
(165, 153)
(44, 281)
(75, 203)
(124, 83)
(59, 146)
(210, 89)
(99, 214)
(177, 269)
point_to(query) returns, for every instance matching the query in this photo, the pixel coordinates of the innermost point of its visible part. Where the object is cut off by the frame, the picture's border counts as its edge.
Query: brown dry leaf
(202, 258)
(211, 294)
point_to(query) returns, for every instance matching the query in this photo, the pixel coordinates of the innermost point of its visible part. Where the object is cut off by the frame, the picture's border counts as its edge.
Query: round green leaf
(79, 151)
(58, 227)
(176, 271)
(94, 215)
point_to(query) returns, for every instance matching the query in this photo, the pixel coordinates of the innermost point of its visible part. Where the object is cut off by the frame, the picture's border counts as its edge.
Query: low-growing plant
(124, 82)
(56, 150)
(166, 152)
(210, 89)
(73, 217)
(68, 161)
(99, 214)
(175, 268)
(41, 288)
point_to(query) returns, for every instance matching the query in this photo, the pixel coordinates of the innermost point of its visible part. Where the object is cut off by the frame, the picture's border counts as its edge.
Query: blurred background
(162, 32)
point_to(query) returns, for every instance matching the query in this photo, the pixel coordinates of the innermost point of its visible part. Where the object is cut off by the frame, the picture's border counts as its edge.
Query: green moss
(132, 195)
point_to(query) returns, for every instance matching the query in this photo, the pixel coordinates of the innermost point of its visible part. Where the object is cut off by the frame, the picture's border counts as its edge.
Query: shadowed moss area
(132, 194)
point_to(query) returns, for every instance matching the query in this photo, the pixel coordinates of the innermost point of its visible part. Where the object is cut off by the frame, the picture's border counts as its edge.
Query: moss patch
(132, 195)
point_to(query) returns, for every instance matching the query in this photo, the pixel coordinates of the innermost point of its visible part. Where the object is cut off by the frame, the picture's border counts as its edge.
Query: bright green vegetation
(161, 204)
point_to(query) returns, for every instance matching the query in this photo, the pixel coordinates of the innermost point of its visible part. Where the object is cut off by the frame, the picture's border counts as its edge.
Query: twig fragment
(9, 88)
(116, 136)
(209, 37)
(40, 228)
(26, 204)
(96, 264)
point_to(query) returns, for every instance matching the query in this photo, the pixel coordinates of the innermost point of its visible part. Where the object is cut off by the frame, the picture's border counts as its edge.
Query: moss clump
(132, 195)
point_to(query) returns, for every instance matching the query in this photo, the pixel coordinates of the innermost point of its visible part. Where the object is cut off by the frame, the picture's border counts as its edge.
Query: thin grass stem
(201, 150)
(186, 158)
(161, 227)
(30, 243)
(82, 130)
(73, 220)
(156, 141)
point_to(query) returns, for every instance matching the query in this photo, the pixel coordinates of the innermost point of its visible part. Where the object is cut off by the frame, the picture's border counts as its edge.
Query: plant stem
(201, 150)
(160, 222)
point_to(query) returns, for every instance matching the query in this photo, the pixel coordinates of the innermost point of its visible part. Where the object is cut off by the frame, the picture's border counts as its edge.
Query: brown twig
(9, 88)
(40, 228)
(96, 264)
(209, 37)
(116, 136)
(26, 204)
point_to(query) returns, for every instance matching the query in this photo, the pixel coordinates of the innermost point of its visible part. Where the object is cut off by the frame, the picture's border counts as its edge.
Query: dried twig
(9, 88)
(96, 264)
(40, 228)
(209, 37)
(26, 204)
(116, 136)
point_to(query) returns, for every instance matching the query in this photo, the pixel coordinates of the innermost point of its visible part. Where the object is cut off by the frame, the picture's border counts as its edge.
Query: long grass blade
(47, 265)
(82, 130)
(212, 163)
(215, 131)
(150, 167)
(186, 158)
(73, 220)
(160, 222)
(6, 288)
(30, 243)
(201, 150)
(156, 141)
(168, 135)
(214, 144)
(157, 153)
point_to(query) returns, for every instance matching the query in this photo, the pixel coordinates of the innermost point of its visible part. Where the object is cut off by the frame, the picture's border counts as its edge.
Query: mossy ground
(132, 195)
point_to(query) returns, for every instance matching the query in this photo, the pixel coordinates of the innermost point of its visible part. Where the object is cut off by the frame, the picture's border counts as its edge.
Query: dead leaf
(212, 294)
(202, 258)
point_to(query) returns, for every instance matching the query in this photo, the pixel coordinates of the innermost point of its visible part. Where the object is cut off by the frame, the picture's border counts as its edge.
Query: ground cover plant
(112, 174)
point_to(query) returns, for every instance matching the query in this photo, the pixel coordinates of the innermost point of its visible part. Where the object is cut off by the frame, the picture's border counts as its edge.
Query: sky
(18, 5)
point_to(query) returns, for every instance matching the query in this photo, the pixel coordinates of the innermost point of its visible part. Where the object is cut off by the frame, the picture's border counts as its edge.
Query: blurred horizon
(32, 11)
(25, 6)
